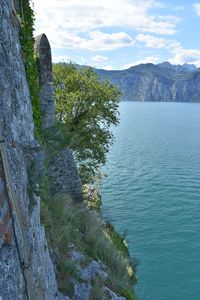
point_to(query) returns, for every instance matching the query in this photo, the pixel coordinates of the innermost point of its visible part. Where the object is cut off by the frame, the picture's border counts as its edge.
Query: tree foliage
(89, 107)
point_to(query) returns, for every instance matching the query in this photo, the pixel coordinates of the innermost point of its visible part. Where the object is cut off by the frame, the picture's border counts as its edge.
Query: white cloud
(181, 55)
(61, 58)
(150, 59)
(84, 15)
(155, 42)
(190, 56)
(106, 41)
(109, 67)
(94, 41)
(196, 7)
(67, 22)
(99, 58)
(151, 41)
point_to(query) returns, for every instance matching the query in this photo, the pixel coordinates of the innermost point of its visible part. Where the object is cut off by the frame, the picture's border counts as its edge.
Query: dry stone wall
(64, 175)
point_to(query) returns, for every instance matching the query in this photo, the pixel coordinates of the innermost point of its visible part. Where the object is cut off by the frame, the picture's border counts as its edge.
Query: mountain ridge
(161, 82)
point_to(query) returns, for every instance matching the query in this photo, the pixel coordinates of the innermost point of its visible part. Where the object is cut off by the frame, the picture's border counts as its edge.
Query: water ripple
(153, 191)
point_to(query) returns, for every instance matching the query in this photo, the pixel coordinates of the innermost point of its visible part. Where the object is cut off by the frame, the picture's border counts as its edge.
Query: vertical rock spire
(62, 169)
(43, 53)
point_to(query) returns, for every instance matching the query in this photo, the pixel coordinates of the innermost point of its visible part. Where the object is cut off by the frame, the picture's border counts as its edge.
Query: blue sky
(117, 34)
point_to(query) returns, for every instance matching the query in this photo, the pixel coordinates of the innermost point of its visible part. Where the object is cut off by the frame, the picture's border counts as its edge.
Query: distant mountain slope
(178, 68)
(162, 82)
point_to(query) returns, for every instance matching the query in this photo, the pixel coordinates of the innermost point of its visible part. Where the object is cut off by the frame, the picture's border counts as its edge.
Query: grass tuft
(70, 224)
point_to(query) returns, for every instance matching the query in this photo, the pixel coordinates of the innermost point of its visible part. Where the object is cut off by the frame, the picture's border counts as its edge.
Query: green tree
(89, 107)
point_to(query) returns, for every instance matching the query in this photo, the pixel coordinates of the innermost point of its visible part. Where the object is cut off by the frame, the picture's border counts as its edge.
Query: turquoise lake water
(153, 191)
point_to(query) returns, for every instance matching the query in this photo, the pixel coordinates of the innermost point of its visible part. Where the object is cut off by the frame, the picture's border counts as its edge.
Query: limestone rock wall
(18, 132)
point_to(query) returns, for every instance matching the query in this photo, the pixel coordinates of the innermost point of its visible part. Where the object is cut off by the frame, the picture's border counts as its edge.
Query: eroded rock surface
(18, 131)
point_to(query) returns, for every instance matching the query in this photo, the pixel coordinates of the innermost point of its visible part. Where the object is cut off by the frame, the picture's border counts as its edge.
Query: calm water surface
(153, 191)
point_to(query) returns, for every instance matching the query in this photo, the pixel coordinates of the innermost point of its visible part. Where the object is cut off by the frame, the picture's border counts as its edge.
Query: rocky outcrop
(62, 169)
(164, 82)
(88, 274)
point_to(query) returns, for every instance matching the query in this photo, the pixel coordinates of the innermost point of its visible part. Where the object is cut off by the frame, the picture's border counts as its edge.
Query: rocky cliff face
(24, 257)
(162, 82)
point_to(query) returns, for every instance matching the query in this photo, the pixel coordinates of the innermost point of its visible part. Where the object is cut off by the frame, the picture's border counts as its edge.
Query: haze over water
(153, 191)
